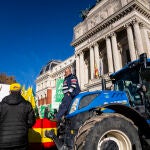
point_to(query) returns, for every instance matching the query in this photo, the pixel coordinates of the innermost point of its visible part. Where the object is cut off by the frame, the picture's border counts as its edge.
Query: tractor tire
(108, 132)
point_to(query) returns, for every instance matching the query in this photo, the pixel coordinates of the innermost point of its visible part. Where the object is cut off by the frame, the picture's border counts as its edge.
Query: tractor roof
(128, 68)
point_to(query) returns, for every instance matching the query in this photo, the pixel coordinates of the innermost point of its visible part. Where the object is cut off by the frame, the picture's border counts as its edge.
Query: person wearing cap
(16, 117)
(70, 90)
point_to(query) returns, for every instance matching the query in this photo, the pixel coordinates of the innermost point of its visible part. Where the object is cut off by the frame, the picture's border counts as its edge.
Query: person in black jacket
(70, 89)
(16, 117)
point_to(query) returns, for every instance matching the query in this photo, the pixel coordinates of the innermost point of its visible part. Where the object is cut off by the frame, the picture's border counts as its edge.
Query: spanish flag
(36, 136)
(96, 73)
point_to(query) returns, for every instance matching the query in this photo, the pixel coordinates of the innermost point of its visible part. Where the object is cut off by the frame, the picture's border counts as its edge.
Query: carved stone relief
(98, 16)
(116, 5)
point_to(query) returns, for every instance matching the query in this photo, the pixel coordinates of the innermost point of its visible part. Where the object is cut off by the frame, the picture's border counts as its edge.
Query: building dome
(49, 66)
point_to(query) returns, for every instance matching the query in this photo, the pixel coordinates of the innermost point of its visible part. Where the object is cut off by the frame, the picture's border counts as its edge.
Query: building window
(45, 99)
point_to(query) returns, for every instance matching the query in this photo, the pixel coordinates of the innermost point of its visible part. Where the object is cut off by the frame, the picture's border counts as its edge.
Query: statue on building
(97, 1)
(84, 13)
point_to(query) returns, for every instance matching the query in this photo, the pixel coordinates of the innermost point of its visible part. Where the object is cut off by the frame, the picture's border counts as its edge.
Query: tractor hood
(90, 100)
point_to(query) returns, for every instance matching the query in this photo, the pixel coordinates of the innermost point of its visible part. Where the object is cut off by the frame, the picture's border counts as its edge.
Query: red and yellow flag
(96, 73)
(36, 136)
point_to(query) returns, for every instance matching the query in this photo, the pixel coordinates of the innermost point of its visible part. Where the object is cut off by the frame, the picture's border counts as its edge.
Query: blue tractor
(117, 119)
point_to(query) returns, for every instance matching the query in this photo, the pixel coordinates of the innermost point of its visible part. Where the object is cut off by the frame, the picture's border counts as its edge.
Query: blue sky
(32, 32)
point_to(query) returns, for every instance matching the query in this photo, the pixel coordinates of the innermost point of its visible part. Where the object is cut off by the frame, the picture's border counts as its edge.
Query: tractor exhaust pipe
(103, 84)
(143, 60)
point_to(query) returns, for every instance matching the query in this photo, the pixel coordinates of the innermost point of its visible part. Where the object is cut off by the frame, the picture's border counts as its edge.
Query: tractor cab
(134, 79)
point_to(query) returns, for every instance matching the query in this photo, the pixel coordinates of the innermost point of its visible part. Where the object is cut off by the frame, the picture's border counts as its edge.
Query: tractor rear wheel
(108, 132)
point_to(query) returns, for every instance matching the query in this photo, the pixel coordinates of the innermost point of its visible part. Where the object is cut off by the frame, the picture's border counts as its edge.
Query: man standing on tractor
(70, 89)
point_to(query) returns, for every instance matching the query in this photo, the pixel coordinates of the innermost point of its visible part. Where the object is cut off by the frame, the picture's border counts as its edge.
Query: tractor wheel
(108, 132)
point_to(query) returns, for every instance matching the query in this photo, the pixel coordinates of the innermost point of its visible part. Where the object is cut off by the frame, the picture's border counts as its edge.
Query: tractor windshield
(128, 80)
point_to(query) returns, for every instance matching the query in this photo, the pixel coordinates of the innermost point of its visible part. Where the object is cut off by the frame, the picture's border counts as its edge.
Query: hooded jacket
(16, 117)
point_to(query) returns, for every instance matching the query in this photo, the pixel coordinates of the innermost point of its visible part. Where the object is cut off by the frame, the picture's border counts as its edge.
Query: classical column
(86, 79)
(109, 55)
(78, 66)
(101, 66)
(116, 58)
(92, 62)
(96, 54)
(138, 37)
(81, 70)
(131, 42)
(146, 39)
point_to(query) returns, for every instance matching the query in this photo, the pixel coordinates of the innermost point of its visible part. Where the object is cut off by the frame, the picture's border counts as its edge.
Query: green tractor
(117, 119)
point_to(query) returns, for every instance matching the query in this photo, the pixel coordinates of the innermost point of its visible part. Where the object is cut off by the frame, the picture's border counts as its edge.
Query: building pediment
(98, 18)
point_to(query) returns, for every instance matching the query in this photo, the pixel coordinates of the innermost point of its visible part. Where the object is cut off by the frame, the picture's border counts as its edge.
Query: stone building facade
(113, 33)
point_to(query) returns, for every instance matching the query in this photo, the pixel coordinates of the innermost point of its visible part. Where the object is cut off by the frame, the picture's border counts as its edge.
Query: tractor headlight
(74, 105)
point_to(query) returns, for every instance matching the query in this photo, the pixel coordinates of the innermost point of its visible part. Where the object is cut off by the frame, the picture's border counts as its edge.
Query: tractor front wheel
(108, 132)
